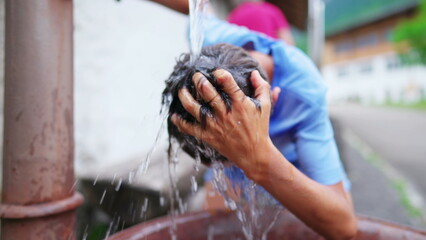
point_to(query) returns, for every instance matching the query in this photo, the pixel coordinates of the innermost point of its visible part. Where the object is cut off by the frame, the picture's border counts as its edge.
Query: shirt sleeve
(312, 136)
(302, 111)
(318, 155)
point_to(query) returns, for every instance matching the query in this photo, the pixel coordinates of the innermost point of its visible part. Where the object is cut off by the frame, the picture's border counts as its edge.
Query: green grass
(375, 160)
(98, 232)
(420, 105)
(401, 187)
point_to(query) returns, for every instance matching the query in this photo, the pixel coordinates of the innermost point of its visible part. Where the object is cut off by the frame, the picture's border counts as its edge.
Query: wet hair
(233, 59)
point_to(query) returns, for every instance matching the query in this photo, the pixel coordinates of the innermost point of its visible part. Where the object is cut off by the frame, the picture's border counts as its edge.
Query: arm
(181, 6)
(236, 135)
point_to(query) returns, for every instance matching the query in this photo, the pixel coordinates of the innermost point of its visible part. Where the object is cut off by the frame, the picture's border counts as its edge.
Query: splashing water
(117, 187)
(145, 164)
(96, 179)
(174, 191)
(256, 209)
(102, 198)
(113, 226)
(144, 208)
(197, 10)
(162, 201)
(194, 185)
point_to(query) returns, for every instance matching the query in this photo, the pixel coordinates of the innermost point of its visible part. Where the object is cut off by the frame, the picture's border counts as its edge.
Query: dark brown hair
(233, 59)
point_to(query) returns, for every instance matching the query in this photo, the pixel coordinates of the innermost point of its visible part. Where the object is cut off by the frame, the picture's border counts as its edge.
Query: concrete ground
(396, 143)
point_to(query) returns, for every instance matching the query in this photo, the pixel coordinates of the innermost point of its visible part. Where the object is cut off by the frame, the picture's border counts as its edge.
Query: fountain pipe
(316, 32)
(38, 198)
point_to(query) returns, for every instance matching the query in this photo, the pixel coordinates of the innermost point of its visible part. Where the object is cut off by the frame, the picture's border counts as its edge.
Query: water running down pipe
(38, 175)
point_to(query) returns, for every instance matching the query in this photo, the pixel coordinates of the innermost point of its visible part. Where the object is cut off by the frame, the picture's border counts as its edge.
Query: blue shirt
(299, 125)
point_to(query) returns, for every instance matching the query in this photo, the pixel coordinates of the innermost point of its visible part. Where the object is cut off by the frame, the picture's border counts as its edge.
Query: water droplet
(96, 180)
(145, 205)
(231, 205)
(131, 176)
(109, 230)
(145, 164)
(239, 215)
(239, 122)
(86, 233)
(113, 179)
(194, 185)
(118, 184)
(182, 207)
(103, 196)
(197, 162)
(73, 186)
(144, 208)
(162, 201)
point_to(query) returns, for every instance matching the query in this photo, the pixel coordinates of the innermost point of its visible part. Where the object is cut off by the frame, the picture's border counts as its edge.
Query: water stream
(256, 209)
(197, 11)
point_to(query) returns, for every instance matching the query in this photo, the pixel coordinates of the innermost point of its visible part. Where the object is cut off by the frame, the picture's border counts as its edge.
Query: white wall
(123, 53)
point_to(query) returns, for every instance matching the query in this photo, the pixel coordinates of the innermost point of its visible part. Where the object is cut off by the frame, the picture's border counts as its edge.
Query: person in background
(263, 17)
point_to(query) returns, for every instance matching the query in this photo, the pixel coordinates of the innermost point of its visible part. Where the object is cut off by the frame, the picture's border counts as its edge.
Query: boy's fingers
(207, 91)
(186, 127)
(261, 88)
(189, 103)
(230, 87)
(275, 94)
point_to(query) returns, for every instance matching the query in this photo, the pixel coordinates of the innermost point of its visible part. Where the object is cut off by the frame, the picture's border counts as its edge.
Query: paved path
(372, 194)
(397, 135)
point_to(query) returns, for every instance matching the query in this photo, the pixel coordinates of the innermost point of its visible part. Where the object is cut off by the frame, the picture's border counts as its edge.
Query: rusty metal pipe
(38, 197)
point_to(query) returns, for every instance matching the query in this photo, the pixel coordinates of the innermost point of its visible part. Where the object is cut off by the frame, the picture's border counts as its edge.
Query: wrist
(264, 160)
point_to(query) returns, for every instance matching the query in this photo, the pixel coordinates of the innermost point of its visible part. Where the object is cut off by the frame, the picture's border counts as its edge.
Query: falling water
(197, 11)
(175, 198)
(102, 198)
(117, 187)
(256, 209)
(145, 164)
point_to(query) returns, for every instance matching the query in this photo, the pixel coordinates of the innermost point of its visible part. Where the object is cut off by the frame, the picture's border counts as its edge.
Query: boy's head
(233, 59)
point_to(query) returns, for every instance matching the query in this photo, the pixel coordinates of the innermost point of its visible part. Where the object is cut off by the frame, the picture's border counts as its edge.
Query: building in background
(360, 63)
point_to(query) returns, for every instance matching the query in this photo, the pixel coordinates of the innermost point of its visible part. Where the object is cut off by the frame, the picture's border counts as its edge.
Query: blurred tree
(410, 38)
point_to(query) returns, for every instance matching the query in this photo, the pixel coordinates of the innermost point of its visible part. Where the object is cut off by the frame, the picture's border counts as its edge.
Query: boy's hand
(241, 134)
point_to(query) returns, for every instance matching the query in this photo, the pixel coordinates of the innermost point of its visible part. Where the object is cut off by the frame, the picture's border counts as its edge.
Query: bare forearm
(181, 6)
(326, 209)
